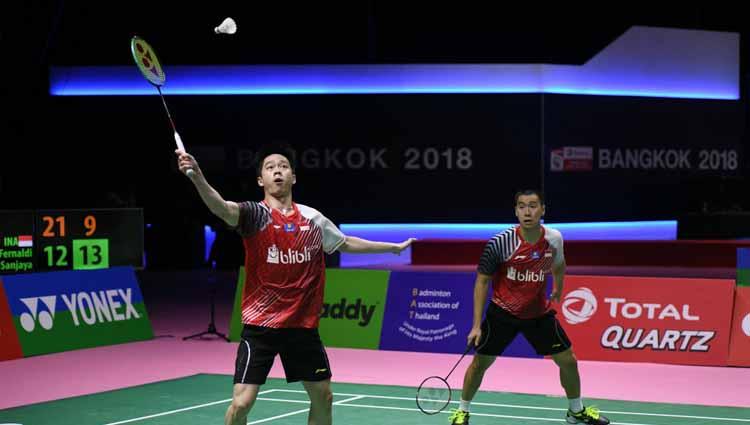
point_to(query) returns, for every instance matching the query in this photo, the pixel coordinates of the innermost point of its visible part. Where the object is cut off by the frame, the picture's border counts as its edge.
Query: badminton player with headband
(149, 65)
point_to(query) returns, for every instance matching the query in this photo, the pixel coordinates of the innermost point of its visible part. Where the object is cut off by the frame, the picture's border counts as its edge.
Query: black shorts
(500, 328)
(302, 355)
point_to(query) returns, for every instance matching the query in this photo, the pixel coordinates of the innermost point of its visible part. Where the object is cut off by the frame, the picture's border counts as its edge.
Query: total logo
(526, 276)
(291, 256)
(579, 305)
(85, 307)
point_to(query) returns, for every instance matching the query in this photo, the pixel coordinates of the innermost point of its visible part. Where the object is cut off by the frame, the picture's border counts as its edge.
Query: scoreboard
(48, 240)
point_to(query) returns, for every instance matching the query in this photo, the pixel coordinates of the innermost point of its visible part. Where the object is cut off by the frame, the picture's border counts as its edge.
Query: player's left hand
(555, 296)
(403, 245)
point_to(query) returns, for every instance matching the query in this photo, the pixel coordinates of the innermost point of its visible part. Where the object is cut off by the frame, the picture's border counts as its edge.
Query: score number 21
(58, 223)
(89, 222)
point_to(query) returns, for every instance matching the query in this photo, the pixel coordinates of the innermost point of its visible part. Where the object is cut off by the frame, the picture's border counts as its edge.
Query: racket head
(147, 62)
(433, 395)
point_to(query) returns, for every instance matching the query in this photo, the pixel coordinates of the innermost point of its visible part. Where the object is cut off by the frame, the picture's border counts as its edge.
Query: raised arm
(354, 244)
(226, 210)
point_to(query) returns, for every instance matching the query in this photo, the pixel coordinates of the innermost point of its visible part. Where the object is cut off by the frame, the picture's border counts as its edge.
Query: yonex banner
(10, 348)
(739, 344)
(68, 310)
(660, 320)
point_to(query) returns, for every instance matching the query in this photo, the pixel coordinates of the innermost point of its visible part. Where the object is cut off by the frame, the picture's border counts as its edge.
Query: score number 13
(93, 253)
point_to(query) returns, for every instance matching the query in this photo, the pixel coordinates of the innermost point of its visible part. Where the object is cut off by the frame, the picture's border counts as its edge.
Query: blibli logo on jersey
(273, 255)
(291, 256)
(289, 227)
(534, 255)
(527, 276)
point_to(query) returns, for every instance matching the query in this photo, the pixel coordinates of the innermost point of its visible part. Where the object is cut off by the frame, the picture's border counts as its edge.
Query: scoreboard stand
(212, 323)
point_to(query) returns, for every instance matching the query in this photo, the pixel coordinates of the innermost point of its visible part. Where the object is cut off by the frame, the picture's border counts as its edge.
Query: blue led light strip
(683, 64)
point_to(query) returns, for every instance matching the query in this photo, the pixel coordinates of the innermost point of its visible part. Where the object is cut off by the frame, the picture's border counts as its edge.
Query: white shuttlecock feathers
(228, 26)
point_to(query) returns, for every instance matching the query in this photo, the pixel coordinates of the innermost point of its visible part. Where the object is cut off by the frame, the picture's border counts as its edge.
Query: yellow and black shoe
(589, 415)
(459, 417)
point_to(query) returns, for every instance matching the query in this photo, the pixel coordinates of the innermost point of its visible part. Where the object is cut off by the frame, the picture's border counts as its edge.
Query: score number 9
(89, 222)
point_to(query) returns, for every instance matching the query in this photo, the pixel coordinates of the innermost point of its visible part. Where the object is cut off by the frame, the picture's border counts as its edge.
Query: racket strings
(433, 395)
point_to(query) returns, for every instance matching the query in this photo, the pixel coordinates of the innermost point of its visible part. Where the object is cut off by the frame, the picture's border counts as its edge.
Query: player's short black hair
(281, 148)
(527, 192)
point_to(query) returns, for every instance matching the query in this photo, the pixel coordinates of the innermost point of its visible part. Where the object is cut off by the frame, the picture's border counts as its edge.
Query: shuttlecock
(228, 26)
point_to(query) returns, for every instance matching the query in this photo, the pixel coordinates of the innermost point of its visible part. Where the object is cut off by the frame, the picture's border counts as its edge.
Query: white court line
(184, 409)
(349, 399)
(480, 414)
(281, 400)
(296, 412)
(520, 406)
(360, 396)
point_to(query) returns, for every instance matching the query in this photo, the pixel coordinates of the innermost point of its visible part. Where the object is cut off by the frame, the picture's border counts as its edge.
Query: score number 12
(87, 253)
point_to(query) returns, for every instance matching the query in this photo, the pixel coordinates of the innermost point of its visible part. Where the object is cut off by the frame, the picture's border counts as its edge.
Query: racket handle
(180, 146)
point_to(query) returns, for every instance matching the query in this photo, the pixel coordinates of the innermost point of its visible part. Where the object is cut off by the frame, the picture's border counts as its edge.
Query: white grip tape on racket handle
(181, 147)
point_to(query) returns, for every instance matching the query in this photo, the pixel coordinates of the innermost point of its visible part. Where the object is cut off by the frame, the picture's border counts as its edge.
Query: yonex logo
(87, 307)
(579, 305)
(45, 317)
(746, 325)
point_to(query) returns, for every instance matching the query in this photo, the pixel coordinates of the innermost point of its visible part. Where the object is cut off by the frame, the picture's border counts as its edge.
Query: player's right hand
(185, 162)
(474, 337)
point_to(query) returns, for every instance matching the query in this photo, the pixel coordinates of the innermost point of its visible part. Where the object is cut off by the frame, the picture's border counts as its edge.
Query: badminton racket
(149, 65)
(434, 393)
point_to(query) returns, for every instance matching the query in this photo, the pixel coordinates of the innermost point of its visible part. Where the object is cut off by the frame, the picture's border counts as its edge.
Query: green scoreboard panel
(47, 240)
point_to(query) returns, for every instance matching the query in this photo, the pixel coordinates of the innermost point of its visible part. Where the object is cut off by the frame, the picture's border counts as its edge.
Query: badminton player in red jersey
(517, 261)
(283, 296)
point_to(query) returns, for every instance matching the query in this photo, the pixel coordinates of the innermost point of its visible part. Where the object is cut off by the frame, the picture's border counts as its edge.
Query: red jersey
(519, 270)
(284, 265)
